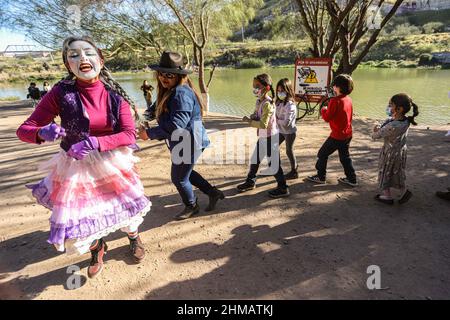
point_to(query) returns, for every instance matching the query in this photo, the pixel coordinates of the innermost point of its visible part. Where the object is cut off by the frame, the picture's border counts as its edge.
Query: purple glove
(51, 132)
(81, 149)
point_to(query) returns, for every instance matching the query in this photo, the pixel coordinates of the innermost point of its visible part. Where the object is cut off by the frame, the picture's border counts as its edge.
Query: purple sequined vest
(74, 117)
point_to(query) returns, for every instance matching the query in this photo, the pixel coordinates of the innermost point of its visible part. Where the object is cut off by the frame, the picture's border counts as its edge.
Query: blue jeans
(184, 177)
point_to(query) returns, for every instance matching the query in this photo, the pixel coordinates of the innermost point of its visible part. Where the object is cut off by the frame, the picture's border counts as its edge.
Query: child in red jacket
(339, 115)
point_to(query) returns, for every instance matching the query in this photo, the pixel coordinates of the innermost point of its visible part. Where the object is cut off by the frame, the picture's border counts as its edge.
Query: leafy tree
(347, 27)
(206, 20)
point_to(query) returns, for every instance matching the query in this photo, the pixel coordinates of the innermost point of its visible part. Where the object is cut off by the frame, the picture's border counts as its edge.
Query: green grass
(11, 98)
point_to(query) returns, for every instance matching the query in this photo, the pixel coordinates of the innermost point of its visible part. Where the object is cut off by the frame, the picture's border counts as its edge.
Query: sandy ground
(316, 244)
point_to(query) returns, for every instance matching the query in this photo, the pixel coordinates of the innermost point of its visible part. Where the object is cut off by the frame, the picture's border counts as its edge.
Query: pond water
(231, 90)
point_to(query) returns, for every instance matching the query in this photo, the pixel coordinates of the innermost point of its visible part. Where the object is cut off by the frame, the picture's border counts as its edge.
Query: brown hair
(164, 94)
(404, 101)
(286, 85)
(266, 81)
(344, 82)
(105, 75)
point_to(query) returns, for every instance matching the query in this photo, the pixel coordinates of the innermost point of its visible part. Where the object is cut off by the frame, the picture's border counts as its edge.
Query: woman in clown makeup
(92, 187)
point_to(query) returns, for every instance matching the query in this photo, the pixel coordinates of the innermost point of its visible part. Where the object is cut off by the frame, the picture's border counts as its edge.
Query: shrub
(405, 29)
(251, 63)
(434, 27)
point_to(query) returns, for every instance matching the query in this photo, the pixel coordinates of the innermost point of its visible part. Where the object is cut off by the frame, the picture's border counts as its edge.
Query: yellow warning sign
(312, 77)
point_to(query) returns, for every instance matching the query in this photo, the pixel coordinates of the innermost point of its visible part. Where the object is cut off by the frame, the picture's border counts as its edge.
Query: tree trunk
(201, 77)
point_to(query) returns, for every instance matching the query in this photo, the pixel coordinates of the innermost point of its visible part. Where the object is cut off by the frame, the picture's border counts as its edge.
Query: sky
(9, 37)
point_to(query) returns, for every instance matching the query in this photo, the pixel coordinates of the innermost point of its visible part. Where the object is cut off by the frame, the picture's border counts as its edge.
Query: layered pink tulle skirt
(91, 198)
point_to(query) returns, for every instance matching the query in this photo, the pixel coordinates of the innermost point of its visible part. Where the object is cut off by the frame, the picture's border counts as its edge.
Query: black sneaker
(316, 179)
(246, 186)
(279, 193)
(188, 212)
(443, 195)
(291, 175)
(215, 196)
(348, 182)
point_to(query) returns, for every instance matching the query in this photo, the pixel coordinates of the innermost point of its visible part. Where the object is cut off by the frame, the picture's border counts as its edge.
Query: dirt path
(317, 243)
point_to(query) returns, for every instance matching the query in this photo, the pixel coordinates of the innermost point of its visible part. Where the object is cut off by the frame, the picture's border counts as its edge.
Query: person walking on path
(339, 115)
(179, 112)
(392, 159)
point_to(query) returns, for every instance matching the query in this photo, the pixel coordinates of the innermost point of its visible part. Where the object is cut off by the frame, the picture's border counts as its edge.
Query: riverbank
(316, 244)
(389, 52)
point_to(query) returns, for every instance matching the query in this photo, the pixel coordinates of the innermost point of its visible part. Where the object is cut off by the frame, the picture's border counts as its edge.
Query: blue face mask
(389, 111)
(282, 95)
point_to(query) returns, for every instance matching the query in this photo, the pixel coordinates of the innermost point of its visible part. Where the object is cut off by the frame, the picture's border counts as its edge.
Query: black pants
(328, 148)
(267, 147)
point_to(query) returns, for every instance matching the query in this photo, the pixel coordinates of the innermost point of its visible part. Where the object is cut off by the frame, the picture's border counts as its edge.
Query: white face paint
(83, 60)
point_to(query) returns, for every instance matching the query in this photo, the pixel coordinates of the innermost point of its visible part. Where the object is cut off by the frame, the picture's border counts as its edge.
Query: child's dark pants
(328, 148)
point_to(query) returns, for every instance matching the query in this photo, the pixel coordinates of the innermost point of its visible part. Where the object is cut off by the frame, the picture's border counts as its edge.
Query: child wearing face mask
(339, 115)
(92, 187)
(267, 146)
(392, 160)
(285, 114)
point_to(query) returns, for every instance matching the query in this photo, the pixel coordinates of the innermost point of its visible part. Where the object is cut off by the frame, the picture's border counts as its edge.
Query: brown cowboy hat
(171, 62)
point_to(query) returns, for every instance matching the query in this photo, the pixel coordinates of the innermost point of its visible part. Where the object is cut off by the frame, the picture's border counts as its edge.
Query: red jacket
(339, 114)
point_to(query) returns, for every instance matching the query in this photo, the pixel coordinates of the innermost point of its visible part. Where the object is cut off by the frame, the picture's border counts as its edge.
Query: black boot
(188, 211)
(214, 196)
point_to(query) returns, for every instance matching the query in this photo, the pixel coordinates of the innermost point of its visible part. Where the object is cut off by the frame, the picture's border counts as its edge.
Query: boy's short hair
(344, 82)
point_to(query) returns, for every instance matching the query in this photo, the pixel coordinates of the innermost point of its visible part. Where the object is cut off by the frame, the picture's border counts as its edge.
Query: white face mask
(282, 95)
(83, 60)
(257, 92)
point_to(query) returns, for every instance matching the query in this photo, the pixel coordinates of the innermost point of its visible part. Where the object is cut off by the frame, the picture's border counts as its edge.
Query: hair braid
(107, 79)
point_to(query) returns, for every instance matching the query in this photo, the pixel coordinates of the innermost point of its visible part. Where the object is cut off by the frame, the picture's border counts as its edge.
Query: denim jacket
(183, 118)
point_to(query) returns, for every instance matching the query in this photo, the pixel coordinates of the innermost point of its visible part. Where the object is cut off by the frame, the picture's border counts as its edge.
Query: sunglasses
(167, 75)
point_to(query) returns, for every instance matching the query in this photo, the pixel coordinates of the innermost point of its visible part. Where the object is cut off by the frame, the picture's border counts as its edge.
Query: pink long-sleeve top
(95, 101)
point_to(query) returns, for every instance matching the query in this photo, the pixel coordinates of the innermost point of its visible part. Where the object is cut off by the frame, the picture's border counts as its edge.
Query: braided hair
(105, 75)
(266, 81)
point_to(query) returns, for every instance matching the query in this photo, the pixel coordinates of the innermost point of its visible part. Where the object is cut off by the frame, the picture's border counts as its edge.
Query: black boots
(188, 212)
(214, 196)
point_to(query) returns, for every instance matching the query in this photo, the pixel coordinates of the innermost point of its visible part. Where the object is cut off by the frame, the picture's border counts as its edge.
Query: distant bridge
(16, 50)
